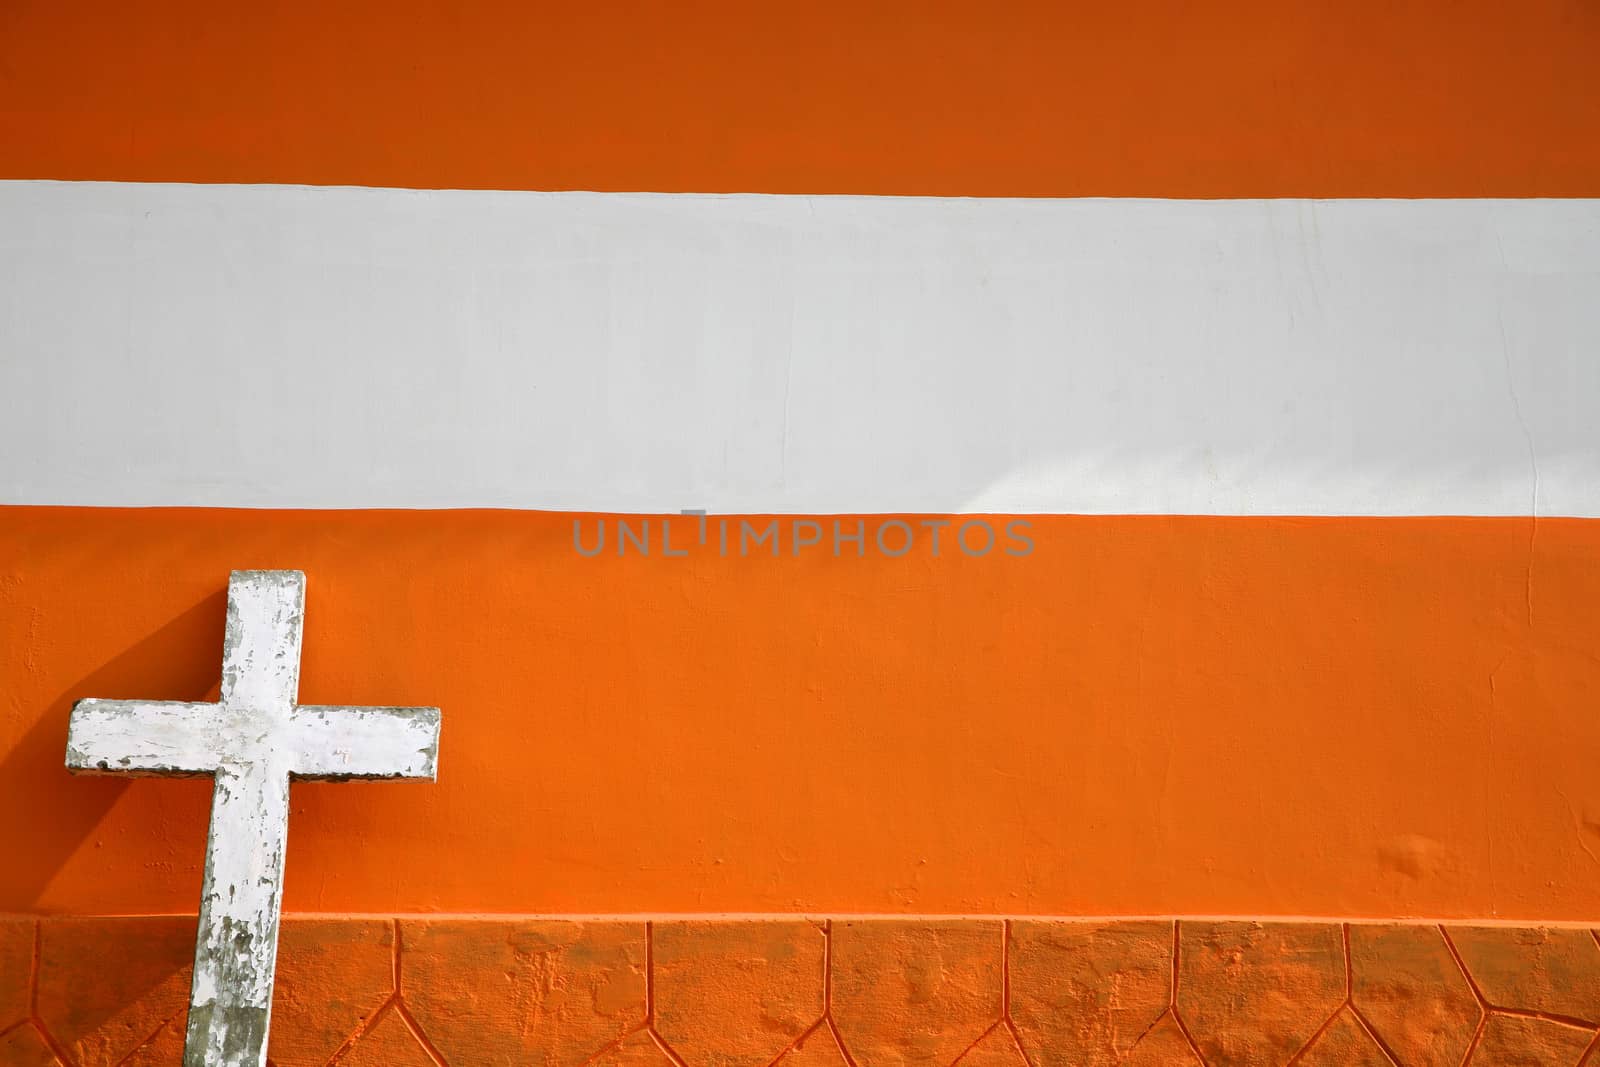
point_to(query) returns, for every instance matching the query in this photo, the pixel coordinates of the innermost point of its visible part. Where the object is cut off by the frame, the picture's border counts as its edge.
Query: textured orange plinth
(821, 992)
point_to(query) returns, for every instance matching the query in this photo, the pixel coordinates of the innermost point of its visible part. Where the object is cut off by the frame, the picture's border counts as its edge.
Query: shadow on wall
(179, 661)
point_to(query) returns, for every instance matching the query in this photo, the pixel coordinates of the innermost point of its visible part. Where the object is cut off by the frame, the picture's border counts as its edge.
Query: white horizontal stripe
(285, 346)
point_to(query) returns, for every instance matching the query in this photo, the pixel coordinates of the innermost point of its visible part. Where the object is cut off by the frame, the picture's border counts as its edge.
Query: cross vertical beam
(236, 946)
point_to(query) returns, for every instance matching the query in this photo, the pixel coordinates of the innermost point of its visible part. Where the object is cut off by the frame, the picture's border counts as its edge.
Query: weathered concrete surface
(99, 1013)
(1346, 1043)
(1552, 971)
(1256, 993)
(915, 992)
(16, 963)
(1063, 1007)
(1165, 1045)
(252, 743)
(1408, 988)
(24, 1046)
(335, 976)
(502, 994)
(736, 994)
(389, 1043)
(1522, 1041)
(516, 990)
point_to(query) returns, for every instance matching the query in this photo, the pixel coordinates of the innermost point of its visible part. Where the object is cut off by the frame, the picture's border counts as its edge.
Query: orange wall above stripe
(1147, 715)
(1250, 98)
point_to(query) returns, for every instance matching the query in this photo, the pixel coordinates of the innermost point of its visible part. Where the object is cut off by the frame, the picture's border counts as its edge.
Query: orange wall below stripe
(1245, 98)
(1354, 717)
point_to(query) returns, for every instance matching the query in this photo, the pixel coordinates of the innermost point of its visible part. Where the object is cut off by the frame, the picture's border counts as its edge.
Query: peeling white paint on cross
(253, 742)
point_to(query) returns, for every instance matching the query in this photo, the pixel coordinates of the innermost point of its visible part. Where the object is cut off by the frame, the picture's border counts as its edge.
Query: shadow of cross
(252, 742)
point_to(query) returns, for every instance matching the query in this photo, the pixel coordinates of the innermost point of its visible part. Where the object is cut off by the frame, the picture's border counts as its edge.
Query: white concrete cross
(252, 743)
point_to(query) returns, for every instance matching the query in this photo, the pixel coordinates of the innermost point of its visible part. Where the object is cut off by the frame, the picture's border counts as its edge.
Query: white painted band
(274, 346)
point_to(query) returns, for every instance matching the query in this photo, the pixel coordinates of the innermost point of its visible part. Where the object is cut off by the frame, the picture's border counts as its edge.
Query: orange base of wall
(377, 992)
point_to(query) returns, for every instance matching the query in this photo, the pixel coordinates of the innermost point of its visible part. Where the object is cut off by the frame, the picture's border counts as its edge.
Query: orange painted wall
(1347, 717)
(1351, 717)
(1163, 98)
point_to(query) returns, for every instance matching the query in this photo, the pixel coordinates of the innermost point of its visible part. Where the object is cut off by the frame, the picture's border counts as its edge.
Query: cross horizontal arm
(339, 743)
(141, 737)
